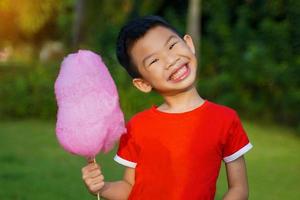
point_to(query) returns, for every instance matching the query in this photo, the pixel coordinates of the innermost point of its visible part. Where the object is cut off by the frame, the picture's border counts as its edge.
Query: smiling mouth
(180, 74)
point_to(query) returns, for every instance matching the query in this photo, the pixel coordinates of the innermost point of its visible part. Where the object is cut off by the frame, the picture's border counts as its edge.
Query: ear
(189, 41)
(142, 85)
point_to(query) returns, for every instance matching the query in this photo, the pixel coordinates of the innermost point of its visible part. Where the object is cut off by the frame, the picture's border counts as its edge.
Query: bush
(27, 91)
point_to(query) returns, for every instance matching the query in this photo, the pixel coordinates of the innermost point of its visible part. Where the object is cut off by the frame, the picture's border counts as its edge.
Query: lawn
(34, 166)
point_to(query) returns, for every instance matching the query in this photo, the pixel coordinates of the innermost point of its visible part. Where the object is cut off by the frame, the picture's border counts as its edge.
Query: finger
(97, 179)
(90, 167)
(93, 181)
(93, 166)
(92, 174)
(87, 168)
(96, 187)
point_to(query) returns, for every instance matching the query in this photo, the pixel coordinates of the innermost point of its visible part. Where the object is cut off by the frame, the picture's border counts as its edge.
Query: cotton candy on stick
(89, 118)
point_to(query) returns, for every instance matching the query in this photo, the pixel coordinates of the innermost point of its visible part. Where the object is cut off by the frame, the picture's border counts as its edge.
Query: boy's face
(166, 62)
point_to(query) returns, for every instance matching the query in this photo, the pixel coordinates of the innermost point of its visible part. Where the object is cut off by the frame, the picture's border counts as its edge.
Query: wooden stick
(93, 160)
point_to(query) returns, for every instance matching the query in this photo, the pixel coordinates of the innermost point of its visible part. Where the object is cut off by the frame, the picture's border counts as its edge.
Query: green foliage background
(250, 56)
(250, 61)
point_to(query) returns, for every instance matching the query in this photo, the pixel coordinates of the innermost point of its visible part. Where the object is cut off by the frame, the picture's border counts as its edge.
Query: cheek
(157, 77)
(185, 48)
(155, 68)
(157, 74)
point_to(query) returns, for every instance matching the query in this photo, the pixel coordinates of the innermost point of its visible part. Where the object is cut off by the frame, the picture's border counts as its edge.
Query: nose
(171, 60)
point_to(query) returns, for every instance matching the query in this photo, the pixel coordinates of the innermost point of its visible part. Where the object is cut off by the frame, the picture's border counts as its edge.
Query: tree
(24, 19)
(78, 22)
(194, 23)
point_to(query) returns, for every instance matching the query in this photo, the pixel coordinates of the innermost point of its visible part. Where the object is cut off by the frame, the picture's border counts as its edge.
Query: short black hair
(130, 33)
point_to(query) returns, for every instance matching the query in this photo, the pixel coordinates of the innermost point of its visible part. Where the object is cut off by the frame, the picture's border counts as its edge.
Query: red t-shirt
(178, 156)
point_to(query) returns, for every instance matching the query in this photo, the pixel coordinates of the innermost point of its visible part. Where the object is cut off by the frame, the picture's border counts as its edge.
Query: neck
(181, 102)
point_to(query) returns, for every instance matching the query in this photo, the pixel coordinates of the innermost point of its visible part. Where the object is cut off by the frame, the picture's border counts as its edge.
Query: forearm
(237, 180)
(236, 193)
(117, 190)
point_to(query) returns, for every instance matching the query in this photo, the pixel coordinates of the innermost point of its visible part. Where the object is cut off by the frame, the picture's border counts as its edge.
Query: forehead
(151, 42)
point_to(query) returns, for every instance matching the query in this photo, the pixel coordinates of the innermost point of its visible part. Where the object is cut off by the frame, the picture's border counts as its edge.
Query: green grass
(34, 166)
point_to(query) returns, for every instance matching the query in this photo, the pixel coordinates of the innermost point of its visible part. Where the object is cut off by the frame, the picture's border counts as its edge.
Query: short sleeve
(127, 151)
(236, 141)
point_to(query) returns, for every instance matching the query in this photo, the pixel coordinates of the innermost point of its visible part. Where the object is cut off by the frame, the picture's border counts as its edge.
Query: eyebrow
(144, 60)
(168, 40)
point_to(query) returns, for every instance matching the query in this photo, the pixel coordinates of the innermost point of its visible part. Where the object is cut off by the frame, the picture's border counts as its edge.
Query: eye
(172, 45)
(153, 61)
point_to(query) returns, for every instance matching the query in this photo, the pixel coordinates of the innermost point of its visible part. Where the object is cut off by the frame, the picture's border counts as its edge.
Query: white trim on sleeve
(237, 154)
(124, 162)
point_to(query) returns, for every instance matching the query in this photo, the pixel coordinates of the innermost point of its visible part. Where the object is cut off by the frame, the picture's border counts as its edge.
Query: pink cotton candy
(89, 118)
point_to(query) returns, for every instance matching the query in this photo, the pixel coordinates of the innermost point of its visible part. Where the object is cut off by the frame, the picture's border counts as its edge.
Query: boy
(172, 151)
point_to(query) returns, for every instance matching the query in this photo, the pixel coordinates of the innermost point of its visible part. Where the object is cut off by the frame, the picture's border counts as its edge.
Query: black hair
(130, 33)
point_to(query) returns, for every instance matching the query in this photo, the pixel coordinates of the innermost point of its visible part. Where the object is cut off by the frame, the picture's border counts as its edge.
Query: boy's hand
(93, 178)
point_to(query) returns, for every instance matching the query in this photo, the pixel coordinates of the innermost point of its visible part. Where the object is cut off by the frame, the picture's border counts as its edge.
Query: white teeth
(179, 73)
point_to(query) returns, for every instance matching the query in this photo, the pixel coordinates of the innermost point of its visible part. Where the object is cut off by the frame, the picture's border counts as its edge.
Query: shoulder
(140, 118)
(138, 123)
(222, 111)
